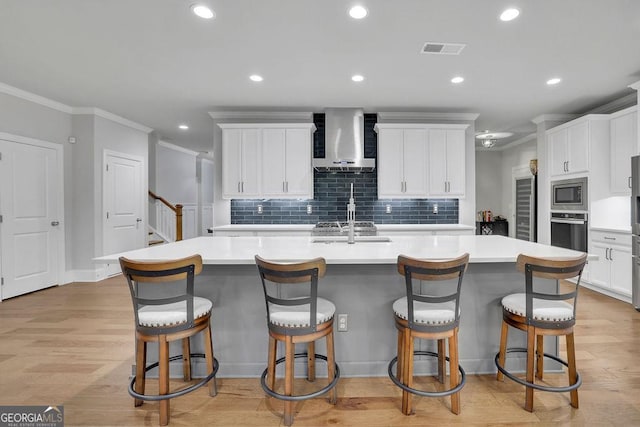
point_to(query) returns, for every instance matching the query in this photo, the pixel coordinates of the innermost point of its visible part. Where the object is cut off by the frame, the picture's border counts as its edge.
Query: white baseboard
(95, 275)
(606, 292)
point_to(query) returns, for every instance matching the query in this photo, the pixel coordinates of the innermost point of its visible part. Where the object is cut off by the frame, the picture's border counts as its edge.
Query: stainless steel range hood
(344, 142)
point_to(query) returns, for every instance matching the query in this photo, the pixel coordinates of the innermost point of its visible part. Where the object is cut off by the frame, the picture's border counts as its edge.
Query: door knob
(55, 223)
(138, 219)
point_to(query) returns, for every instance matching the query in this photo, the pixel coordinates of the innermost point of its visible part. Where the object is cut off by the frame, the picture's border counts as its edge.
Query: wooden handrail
(177, 209)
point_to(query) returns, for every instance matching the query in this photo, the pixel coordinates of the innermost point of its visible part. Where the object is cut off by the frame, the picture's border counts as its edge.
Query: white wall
(25, 118)
(29, 115)
(175, 177)
(490, 182)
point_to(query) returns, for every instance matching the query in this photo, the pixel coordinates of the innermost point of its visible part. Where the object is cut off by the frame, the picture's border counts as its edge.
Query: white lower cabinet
(612, 271)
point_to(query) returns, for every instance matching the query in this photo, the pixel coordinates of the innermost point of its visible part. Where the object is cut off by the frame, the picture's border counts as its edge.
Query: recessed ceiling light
(202, 11)
(357, 78)
(509, 14)
(358, 12)
(183, 127)
(554, 81)
(457, 79)
(256, 78)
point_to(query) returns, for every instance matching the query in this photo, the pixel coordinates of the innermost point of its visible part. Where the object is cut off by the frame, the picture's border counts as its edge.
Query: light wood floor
(73, 345)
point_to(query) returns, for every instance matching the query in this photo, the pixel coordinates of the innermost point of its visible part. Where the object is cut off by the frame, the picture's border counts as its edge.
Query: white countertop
(241, 250)
(308, 227)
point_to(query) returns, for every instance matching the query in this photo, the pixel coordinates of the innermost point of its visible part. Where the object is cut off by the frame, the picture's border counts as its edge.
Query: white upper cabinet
(571, 145)
(267, 160)
(624, 145)
(421, 160)
(402, 157)
(446, 162)
(286, 163)
(240, 159)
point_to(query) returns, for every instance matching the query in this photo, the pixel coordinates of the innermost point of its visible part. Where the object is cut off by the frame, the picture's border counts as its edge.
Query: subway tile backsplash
(331, 195)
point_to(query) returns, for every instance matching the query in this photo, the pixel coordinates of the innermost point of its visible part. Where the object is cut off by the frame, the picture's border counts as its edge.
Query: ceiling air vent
(442, 48)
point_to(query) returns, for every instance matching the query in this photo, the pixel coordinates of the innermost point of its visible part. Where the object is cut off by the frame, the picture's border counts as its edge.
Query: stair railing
(165, 214)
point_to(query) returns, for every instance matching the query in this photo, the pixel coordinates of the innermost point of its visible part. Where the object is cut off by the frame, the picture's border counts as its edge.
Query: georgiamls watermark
(32, 416)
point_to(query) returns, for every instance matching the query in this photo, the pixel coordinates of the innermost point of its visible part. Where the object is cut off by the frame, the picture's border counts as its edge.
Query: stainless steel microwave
(570, 195)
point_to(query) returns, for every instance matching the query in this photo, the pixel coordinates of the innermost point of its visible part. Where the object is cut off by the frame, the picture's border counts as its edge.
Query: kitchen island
(363, 282)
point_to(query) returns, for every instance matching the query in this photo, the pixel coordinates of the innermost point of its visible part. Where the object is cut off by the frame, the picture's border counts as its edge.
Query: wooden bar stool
(303, 318)
(426, 316)
(166, 319)
(539, 314)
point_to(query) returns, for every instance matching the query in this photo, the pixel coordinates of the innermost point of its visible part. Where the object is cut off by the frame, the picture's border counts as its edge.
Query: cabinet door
(414, 160)
(273, 162)
(298, 169)
(250, 163)
(438, 163)
(624, 138)
(578, 147)
(557, 142)
(390, 166)
(599, 270)
(621, 265)
(231, 159)
(455, 162)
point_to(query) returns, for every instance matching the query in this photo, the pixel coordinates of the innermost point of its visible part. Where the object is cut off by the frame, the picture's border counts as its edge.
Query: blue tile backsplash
(331, 195)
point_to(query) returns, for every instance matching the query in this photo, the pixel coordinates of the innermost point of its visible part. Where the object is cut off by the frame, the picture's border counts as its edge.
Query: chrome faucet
(351, 218)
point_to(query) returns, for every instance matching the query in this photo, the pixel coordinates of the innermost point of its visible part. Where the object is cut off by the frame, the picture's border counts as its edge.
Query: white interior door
(123, 199)
(30, 229)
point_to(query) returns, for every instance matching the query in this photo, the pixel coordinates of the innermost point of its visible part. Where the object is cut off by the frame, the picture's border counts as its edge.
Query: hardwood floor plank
(74, 345)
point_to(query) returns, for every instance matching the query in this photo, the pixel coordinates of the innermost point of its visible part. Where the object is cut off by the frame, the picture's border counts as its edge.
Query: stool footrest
(157, 397)
(332, 384)
(449, 392)
(525, 383)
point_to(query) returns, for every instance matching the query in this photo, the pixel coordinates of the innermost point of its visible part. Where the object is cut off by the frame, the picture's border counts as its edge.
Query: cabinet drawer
(611, 237)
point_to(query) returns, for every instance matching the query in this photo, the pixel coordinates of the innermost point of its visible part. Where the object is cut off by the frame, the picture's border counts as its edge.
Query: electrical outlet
(388, 209)
(342, 323)
(309, 209)
(435, 208)
(260, 209)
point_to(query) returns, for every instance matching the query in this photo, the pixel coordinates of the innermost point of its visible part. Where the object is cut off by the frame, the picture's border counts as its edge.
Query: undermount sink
(343, 239)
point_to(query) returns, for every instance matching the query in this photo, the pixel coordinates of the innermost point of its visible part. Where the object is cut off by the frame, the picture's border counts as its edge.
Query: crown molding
(523, 140)
(635, 85)
(554, 118)
(178, 148)
(416, 115)
(616, 105)
(110, 116)
(32, 97)
(261, 115)
(55, 105)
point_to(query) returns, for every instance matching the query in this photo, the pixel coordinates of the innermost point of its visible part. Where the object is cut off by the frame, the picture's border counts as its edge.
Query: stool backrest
(291, 273)
(431, 270)
(182, 271)
(555, 269)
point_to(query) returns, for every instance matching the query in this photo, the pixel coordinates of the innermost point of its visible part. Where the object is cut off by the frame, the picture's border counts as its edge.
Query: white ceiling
(157, 64)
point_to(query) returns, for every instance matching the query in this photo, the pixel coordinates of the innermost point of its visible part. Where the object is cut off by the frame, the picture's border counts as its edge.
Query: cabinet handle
(609, 238)
(242, 186)
(287, 186)
(283, 186)
(239, 187)
(611, 254)
(404, 183)
(606, 253)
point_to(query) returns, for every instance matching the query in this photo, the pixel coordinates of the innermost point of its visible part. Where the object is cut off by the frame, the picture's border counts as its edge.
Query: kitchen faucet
(351, 218)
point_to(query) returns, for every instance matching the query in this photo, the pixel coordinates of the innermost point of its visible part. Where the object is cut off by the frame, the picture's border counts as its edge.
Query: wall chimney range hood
(344, 142)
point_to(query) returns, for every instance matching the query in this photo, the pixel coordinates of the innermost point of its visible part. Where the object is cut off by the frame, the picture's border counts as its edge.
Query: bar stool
(165, 319)
(538, 314)
(426, 316)
(291, 321)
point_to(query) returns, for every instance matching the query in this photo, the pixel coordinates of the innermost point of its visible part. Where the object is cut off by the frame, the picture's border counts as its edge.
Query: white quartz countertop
(241, 250)
(308, 227)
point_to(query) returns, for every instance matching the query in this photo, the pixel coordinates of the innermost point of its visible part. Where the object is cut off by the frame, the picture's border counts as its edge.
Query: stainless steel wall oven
(569, 230)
